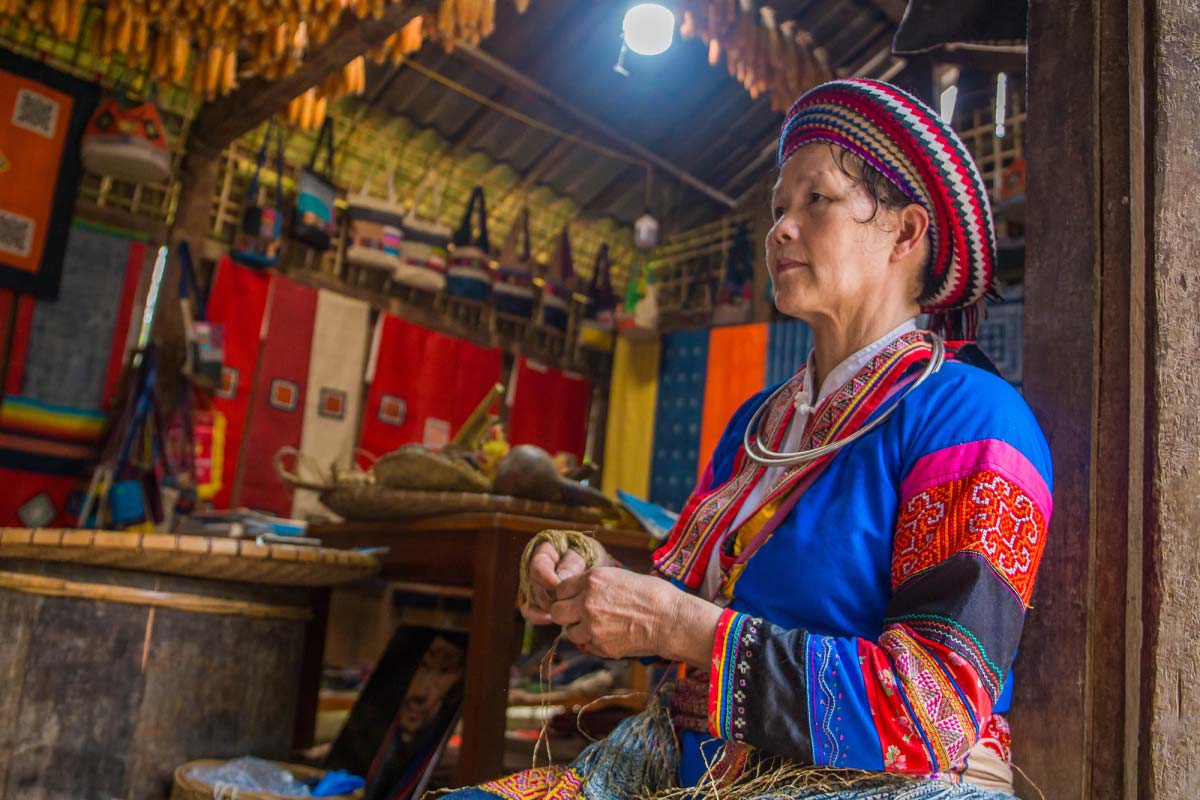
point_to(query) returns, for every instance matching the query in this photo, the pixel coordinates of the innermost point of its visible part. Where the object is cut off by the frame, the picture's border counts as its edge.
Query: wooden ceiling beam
(224, 120)
(893, 10)
(523, 83)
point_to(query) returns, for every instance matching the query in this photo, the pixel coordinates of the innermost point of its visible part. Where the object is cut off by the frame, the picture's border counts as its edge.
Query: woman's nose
(785, 230)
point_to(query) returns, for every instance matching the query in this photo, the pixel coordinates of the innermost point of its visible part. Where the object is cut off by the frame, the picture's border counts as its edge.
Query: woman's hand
(547, 569)
(614, 613)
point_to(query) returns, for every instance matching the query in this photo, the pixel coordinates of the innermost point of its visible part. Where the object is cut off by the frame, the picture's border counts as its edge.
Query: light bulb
(645, 231)
(649, 29)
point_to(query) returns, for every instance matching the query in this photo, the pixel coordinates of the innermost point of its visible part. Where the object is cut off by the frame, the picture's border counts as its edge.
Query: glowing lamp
(649, 29)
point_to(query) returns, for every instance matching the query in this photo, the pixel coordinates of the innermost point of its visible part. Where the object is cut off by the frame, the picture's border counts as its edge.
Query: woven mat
(197, 556)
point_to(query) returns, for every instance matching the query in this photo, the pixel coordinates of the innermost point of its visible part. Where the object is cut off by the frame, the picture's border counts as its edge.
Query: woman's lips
(785, 264)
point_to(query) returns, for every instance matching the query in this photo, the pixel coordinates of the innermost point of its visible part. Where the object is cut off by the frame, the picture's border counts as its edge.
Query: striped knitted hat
(906, 141)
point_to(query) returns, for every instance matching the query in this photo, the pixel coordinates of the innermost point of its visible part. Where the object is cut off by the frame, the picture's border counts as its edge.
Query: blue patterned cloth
(682, 372)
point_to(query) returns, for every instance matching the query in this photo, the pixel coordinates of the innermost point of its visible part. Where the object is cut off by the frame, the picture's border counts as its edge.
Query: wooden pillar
(1070, 704)
(1109, 665)
(1171, 612)
(197, 185)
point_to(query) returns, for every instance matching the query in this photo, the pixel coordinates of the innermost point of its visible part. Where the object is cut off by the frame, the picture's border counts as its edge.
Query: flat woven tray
(374, 503)
(197, 556)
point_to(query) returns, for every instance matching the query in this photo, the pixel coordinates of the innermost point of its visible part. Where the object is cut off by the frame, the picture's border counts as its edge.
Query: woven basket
(325, 479)
(198, 556)
(417, 468)
(374, 503)
(185, 788)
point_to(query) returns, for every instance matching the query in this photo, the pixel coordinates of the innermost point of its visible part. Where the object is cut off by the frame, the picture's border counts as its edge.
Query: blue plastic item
(337, 783)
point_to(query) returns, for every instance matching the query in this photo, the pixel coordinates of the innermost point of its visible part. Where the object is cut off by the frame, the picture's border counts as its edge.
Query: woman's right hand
(547, 569)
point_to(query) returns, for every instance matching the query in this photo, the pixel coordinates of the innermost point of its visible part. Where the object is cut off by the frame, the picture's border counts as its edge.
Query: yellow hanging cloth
(632, 400)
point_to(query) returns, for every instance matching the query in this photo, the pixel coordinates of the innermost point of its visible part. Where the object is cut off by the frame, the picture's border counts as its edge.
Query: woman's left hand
(615, 613)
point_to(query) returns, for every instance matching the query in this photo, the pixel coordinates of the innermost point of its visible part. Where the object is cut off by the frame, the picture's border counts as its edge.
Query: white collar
(843, 372)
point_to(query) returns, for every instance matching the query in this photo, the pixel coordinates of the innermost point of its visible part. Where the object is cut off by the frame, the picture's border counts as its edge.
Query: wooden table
(479, 551)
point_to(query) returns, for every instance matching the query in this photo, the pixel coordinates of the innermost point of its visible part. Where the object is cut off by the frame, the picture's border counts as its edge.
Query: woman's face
(824, 260)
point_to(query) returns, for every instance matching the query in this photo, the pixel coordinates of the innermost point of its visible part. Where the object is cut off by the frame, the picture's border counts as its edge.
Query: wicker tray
(373, 503)
(197, 556)
(185, 788)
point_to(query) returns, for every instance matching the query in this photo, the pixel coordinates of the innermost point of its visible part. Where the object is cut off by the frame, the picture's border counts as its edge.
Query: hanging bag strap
(465, 237)
(259, 161)
(278, 164)
(324, 138)
(565, 264)
(601, 280)
(430, 182)
(371, 173)
(517, 247)
(390, 163)
(600, 293)
(188, 285)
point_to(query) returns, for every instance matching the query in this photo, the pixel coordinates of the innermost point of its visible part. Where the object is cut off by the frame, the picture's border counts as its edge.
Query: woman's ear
(911, 232)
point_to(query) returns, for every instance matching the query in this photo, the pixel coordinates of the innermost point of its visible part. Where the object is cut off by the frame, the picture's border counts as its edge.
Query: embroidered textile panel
(678, 416)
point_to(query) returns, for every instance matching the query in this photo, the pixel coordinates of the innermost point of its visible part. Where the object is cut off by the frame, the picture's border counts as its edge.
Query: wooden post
(1070, 701)
(198, 184)
(1105, 687)
(1171, 612)
(490, 642)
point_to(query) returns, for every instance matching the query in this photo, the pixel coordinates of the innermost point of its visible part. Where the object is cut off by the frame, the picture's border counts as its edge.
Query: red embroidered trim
(719, 693)
(986, 514)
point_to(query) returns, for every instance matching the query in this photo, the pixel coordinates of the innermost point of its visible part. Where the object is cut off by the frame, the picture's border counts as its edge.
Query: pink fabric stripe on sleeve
(962, 460)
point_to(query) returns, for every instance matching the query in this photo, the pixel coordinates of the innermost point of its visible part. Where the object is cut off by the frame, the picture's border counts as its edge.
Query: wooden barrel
(124, 655)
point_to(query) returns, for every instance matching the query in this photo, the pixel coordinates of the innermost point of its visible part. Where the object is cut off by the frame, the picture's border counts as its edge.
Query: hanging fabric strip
(422, 385)
(550, 409)
(277, 404)
(632, 399)
(737, 368)
(334, 396)
(238, 300)
(788, 344)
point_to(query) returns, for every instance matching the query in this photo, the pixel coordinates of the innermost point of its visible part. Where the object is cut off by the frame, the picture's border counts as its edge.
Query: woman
(848, 582)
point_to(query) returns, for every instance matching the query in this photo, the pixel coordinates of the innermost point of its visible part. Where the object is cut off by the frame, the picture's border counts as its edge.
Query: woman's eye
(815, 197)
(777, 213)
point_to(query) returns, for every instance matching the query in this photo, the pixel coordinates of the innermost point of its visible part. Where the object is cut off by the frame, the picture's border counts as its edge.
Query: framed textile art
(43, 113)
(404, 714)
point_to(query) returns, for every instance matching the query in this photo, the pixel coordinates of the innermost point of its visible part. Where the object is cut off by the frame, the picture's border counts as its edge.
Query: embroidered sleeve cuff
(727, 677)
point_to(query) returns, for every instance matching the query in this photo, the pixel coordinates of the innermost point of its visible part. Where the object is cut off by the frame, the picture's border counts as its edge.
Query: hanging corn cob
(766, 56)
(211, 44)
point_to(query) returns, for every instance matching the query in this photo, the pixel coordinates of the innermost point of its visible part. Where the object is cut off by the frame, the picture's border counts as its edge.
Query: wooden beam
(698, 138)
(222, 121)
(893, 10)
(517, 80)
